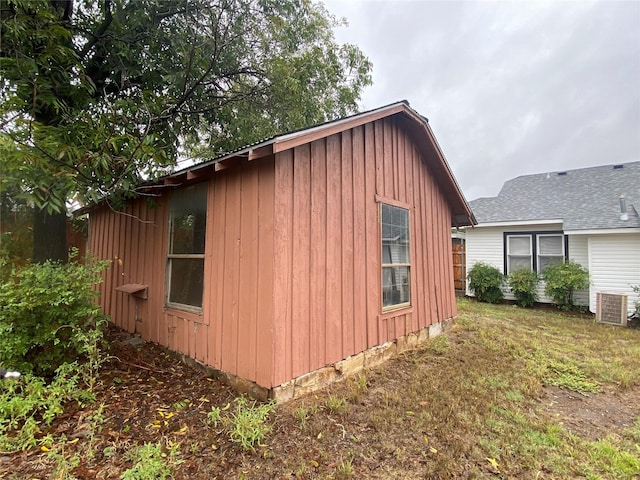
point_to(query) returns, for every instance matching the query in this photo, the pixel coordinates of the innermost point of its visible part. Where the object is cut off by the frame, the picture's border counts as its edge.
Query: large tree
(96, 95)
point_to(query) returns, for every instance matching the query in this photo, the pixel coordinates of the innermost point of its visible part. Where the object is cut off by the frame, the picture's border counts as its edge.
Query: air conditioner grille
(611, 308)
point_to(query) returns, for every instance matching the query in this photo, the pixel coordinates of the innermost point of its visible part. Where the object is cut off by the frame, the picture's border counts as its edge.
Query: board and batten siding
(233, 332)
(327, 279)
(292, 258)
(614, 266)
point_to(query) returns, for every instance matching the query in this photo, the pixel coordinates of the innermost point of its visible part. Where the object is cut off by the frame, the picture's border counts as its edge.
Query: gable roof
(416, 125)
(582, 199)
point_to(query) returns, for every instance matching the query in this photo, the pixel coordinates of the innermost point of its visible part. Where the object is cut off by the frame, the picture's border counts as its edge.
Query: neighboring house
(279, 261)
(588, 215)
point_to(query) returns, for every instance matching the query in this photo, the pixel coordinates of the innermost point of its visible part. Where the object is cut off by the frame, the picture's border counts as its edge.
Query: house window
(185, 260)
(519, 252)
(550, 250)
(533, 250)
(396, 264)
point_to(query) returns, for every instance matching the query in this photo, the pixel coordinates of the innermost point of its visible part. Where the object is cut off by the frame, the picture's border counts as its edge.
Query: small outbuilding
(295, 261)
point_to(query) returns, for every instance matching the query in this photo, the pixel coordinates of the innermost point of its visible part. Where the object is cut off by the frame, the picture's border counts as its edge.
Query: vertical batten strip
(347, 270)
(334, 251)
(301, 248)
(318, 317)
(360, 241)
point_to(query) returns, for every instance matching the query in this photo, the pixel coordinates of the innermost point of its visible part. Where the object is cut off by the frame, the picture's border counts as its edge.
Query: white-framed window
(519, 252)
(187, 238)
(396, 263)
(533, 250)
(550, 250)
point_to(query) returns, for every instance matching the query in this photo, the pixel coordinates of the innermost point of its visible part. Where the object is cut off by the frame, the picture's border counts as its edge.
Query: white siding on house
(485, 244)
(614, 266)
(579, 253)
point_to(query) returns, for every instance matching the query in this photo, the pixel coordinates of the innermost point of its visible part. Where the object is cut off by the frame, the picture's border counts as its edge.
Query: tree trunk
(49, 236)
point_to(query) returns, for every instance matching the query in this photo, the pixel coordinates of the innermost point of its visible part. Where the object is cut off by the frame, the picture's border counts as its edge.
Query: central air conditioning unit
(611, 308)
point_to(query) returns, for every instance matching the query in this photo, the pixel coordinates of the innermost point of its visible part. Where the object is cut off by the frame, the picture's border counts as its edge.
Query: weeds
(302, 415)
(475, 393)
(213, 416)
(248, 424)
(150, 462)
(336, 404)
(570, 376)
(345, 470)
(30, 403)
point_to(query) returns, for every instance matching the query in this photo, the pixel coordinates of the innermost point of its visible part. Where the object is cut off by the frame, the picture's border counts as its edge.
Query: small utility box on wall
(611, 308)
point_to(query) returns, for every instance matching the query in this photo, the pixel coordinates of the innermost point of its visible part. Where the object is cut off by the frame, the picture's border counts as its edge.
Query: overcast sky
(509, 88)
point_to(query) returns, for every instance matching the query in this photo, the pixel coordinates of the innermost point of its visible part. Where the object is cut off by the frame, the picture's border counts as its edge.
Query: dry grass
(472, 403)
(505, 393)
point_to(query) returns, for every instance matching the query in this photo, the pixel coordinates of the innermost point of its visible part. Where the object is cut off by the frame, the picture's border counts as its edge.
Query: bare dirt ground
(593, 416)
(145, 395)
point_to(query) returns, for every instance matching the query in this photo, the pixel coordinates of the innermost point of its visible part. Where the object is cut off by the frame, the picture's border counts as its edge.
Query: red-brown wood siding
(292, 277)
(327, 278)
(233, 333)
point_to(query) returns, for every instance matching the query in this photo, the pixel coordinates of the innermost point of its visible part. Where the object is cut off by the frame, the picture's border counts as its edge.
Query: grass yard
(504, 393)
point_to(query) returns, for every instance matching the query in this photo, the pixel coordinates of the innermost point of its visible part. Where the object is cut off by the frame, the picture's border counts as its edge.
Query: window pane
(395, 251)
(550, 244)
(544, 262)
(188, 219)
(519, 262)
(395, 285)
(395, 234)
(188, 222)
(186, 281)
(519, 245)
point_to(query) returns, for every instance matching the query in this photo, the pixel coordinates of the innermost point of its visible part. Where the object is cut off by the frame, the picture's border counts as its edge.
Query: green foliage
(636, 289)
(27, 404)
(336, 404)
(48, 316)
(567, 374)
(213, 416)
(101, 95)
(15, 231)
(150, 462)
(563, 280)
(302, 415)
(248, 424)
(486, 281)
(523, 283)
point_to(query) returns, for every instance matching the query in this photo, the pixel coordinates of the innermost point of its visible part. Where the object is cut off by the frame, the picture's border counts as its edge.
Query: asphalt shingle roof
(584, 199)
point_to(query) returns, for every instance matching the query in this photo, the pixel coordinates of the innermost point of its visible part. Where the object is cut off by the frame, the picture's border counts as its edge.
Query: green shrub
(485, 281)
(563, 280)
(636, 289)
(47, 312)
(523, 283)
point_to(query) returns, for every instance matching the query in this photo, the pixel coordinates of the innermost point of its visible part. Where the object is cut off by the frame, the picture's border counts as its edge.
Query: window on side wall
(550, 250)
(396, 264)
(533, 250)
(185, 259)
(519, 252)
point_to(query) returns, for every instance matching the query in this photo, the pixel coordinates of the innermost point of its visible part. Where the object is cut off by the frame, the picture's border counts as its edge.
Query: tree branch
(102, 29)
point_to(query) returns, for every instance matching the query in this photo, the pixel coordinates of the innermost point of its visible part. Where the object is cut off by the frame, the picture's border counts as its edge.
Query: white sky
(509, 87)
